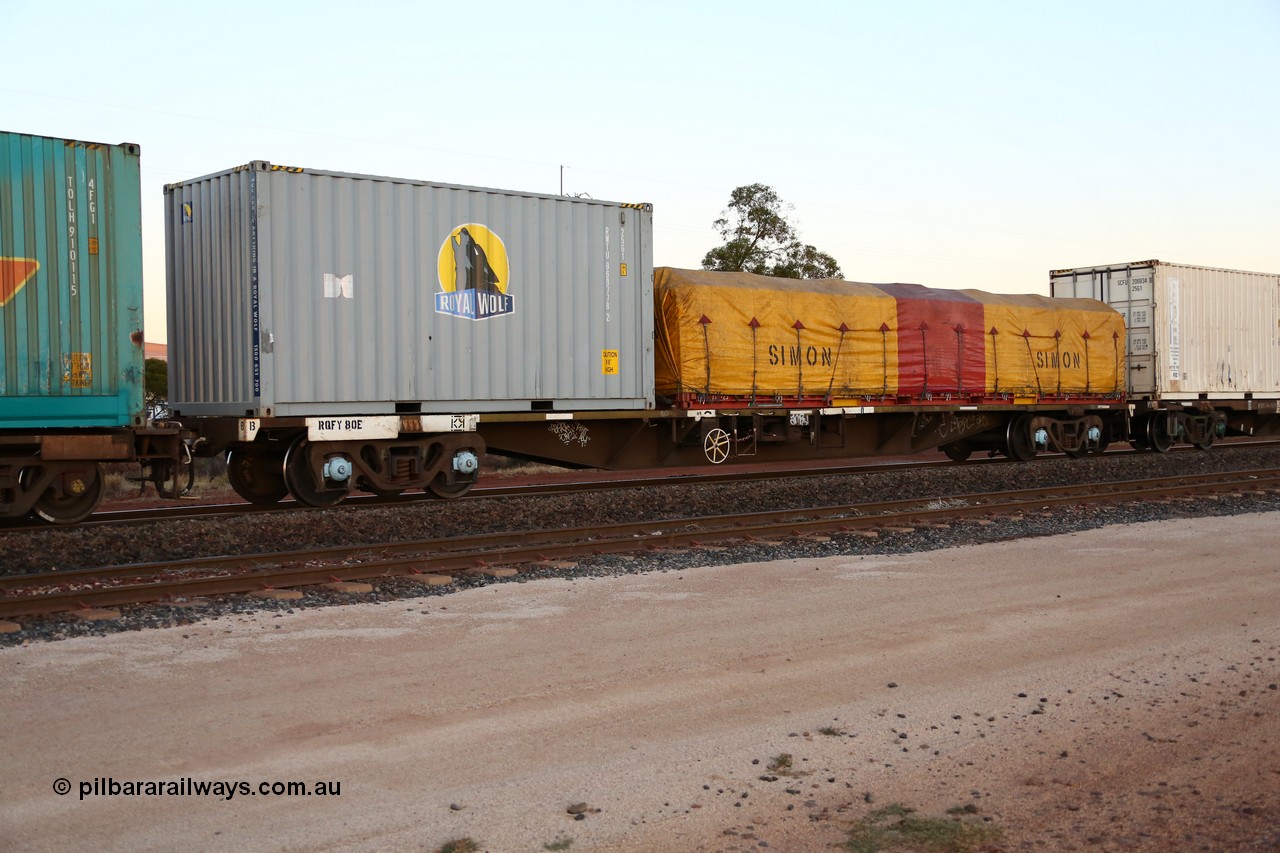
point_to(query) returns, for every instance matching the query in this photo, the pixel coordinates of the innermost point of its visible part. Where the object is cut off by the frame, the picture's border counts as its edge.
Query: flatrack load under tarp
(739, 338)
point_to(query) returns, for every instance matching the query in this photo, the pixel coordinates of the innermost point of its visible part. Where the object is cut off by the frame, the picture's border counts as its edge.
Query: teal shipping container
(71, 330)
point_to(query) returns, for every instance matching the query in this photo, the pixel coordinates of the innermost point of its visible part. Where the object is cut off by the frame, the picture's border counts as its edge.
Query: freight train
(332, 332)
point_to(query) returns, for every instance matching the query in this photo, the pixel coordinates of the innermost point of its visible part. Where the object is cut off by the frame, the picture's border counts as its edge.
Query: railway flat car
(71, 333)
(779, 369)
(332, 329)
(332, 332)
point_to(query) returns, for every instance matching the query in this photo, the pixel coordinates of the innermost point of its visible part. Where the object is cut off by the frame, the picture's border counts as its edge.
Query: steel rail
(458, 554)
(601, 482)
(431, 547)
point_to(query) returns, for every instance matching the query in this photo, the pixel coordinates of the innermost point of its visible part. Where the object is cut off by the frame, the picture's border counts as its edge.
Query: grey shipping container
(1194, 333)
(71, 329)
(297, 292)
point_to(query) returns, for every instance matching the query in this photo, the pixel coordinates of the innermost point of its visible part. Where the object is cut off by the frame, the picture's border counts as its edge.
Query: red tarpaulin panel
(940, 341)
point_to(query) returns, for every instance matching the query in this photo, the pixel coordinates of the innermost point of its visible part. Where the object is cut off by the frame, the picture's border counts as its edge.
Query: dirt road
(1106, 690)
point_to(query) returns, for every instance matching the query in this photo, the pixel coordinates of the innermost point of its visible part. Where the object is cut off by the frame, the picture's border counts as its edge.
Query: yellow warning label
(622, 269)
(609, 362)
(77, 369)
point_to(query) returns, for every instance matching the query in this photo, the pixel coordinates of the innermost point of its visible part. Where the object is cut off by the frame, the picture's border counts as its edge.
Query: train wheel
(81, 492)
(441, 488)
(386, 494)
(173, 479)
(1019, 445)
(716, 446)
(1207, 443)
(957, 451)
(1138, 434)
(257, 477)
(1158, 437)
(300, 480)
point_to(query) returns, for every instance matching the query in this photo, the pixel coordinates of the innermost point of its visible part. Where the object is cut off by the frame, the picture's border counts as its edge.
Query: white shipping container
(296, 292)
(1194, 333)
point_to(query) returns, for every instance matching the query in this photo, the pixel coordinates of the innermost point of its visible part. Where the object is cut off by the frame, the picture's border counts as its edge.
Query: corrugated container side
(1193, 332)
(1218, 332)
(211, 316)
(70, 283)
(363, 304)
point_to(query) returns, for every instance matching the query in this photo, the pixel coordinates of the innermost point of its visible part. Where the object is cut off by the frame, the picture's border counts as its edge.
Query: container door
(1073, 284)
(1130, 291)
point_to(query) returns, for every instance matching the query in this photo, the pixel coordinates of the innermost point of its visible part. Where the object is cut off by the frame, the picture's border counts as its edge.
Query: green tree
(155, 394)
(759, 239)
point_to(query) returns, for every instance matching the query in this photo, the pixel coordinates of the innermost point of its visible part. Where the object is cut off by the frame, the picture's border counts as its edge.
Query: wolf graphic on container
(473, 270)
(479, 275)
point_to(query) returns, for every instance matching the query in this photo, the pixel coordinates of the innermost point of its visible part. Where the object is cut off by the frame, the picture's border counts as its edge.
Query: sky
(967, 145)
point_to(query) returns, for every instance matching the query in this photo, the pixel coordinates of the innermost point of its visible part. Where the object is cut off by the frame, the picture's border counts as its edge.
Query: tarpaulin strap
(799, 327)
(1087, 385)
(755, 359)
(995, 362)
(884, 357)
(835, 366)
(1031, 360)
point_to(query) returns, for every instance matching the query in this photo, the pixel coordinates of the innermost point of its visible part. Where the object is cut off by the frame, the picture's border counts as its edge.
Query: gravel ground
(1110, 690)
(88, 547)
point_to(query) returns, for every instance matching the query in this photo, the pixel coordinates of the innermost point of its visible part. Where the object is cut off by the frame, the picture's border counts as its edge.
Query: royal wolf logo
(474, 274)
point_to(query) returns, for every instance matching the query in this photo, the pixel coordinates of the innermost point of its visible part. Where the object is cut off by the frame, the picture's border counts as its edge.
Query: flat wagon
(333, 329)
(778, 369)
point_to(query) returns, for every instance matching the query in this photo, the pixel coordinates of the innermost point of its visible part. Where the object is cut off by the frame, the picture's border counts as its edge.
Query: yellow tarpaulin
(736, 334)
(744, 337)
(1041, 349)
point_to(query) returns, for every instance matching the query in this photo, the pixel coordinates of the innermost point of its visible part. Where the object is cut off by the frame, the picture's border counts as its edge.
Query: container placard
(1175, 329)
(77, 369)
(353, 427)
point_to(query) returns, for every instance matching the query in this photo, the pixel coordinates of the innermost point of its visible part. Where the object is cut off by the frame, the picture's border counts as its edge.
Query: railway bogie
(57, 491)
(268, 461)
(57, 475)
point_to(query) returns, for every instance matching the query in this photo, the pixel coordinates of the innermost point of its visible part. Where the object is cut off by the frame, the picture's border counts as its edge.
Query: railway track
(555, 484)
(581, 482)
(436, 561)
